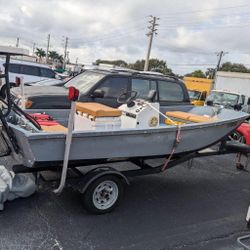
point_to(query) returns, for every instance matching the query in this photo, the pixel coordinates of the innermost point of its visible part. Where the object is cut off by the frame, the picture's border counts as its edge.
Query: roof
(233, 74)
(197, 79)
(225, 91)
(198, 84)
(13, 51)
(130, 72)
(24, 62)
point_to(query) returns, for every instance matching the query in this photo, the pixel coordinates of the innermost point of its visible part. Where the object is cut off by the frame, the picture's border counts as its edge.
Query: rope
(176, 142)
(177, 138)
(160, 113)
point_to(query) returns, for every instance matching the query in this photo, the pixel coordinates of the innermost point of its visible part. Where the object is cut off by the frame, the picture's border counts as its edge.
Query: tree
(197, 73)
(53, 55)
(210, 73)
(40, 53)
(154, 65)
(234, 67)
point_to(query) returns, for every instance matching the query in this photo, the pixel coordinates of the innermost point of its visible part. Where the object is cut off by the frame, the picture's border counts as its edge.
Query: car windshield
(222, 98)
(194, 95)
(85, 81)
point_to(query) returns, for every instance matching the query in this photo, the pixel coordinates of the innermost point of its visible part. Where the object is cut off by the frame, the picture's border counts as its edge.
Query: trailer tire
(103, 194)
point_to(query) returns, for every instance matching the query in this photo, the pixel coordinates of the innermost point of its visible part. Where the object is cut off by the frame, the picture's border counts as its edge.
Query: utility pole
(150, 34)
(47, 51)
(65, 52)
(17, 42)
(219, 55)
(33, 49)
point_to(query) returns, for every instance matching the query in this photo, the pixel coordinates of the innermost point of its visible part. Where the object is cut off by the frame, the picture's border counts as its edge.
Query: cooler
(96, 116)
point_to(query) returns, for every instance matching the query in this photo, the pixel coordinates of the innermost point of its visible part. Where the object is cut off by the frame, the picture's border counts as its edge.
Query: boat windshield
(194, 95)
(85, 81)
(223, 98)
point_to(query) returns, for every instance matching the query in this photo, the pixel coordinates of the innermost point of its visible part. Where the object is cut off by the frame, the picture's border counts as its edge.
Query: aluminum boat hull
(93, 145)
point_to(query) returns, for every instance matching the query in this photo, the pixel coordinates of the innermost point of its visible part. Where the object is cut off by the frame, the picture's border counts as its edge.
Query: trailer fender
(97, 173)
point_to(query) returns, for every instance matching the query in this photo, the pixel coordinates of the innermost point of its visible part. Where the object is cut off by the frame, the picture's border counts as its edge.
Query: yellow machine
(198, 89)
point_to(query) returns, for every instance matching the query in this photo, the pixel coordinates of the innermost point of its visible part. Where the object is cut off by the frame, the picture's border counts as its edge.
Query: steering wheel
(123, 98)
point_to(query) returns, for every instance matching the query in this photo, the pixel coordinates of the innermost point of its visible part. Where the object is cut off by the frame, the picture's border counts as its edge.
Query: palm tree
(54, 55)
(40, 53)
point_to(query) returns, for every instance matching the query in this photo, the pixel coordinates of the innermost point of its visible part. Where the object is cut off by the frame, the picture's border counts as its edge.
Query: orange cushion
(188, 116)
(97, 109)
(54, 129)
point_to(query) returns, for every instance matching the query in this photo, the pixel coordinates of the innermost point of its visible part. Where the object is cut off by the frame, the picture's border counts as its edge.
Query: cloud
(189, 32)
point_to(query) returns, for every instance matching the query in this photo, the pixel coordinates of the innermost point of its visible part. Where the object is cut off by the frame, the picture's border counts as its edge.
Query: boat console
(96, 116)
(141, 115)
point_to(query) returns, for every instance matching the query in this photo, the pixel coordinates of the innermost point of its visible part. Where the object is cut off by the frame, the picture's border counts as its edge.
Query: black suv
(105, 86)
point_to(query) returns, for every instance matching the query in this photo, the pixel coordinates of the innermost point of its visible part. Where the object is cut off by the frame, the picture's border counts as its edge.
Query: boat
(40, 148)
(99, 134)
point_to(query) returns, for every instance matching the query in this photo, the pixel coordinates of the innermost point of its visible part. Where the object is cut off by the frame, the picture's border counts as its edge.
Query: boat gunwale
(90, 133)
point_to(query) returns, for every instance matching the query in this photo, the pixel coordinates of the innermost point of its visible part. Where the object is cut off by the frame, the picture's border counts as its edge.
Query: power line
(221, 20)
(191, 64)
(114, 30)
(110, 35)
(205, 10)
(209, 27)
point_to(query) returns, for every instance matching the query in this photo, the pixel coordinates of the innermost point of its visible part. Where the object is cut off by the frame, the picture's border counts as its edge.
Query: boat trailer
(88, 177)
(102, 186)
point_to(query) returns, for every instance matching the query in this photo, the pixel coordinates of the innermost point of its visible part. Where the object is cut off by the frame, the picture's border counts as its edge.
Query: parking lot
(199, 208)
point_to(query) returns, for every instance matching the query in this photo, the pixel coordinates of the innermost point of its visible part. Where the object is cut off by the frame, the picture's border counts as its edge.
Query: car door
(14, 71)
(30, 73)
(112, 88)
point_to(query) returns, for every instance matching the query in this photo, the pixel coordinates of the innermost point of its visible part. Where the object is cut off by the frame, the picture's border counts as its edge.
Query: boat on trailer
(102, 135)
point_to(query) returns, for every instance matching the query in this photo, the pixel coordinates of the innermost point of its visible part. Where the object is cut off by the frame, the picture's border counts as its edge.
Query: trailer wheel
(103, 194)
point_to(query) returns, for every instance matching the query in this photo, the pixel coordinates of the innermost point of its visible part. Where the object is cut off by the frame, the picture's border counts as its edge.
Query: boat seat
(97, 109)
(55, 128)
(185, 117)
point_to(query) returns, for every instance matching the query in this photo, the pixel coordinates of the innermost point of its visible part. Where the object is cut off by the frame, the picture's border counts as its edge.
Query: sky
(189, 36)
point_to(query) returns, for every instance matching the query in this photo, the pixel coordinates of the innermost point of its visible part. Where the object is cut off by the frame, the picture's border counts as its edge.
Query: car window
(113, 87)
(170, 91)
(49, 73)
(14, 68)
(29, 70)
(85, 81)
(143, 86)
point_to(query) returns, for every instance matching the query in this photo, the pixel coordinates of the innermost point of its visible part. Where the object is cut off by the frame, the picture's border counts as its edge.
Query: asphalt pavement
(203, 207)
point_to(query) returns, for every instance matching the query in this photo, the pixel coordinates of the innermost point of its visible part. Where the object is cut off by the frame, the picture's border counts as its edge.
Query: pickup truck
(231, 90)
(105, 86)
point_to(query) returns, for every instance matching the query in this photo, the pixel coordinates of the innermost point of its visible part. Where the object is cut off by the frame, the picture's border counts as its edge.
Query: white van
(30, 71)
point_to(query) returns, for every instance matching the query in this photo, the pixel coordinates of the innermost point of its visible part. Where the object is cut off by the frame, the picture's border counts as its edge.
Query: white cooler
(96, 116)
